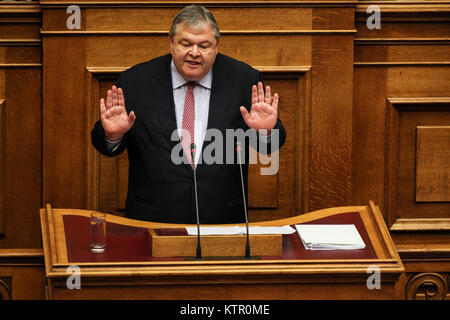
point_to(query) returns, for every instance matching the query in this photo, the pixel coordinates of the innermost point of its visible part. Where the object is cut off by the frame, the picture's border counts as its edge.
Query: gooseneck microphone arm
(199, 248)
(247, 245)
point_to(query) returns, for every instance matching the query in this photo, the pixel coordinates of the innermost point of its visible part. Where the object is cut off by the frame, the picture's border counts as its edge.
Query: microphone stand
(247, 245)
(199, 248)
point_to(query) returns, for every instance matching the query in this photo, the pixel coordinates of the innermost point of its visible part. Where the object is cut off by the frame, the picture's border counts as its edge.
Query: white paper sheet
(330, 237)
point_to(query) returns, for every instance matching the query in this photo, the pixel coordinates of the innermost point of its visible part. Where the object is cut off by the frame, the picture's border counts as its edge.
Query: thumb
(245, 114)
(132, 117)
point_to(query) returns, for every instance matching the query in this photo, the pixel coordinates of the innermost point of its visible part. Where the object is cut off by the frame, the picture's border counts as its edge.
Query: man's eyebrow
(190, 41)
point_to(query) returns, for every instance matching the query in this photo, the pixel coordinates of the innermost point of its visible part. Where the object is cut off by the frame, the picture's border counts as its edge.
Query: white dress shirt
(202, 93)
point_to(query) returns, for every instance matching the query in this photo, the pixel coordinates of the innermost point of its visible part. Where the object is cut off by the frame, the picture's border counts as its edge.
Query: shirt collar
(178, 80)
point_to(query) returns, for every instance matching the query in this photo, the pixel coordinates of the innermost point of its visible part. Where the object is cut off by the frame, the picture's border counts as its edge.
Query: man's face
(193, 51)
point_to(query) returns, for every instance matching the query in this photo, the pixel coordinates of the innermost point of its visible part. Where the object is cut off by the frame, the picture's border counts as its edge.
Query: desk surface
(66, 242)
(127, 243)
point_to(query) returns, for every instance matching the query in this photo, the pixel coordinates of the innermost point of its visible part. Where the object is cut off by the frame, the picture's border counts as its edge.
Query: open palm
(263, 113)
(113, 114)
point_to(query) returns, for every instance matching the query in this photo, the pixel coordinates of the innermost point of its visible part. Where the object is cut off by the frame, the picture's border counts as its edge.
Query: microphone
(247, 245)
(199, 248)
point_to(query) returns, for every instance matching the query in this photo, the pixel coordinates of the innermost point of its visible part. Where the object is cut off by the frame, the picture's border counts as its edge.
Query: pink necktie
(188, 121)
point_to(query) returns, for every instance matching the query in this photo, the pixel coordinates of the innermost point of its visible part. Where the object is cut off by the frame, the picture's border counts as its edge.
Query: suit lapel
(165, 106)
(218, 104)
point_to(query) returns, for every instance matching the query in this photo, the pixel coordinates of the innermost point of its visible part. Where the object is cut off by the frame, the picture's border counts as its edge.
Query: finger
(109, 100)
(102, 107)
(260, 92)
(276, 98)
(245, 114)
(120, 97)
(268, 95)
(132, 117)
(114, 96)
(254, 95)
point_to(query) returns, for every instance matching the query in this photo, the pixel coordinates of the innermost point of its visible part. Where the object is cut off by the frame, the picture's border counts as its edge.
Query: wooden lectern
(129, 270)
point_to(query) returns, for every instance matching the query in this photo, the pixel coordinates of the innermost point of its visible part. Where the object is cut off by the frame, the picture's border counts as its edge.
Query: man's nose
(194, 51)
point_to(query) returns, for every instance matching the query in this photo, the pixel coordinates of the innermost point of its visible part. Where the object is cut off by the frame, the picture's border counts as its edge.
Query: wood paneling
(20, 120)
(401, 91)
(330, 133)
(331, 122)
(106, 178)
(2, 168)
(22, 274)
(432, 164)
(359, 106)
(106, 46)
(64, 121)
(404, 117)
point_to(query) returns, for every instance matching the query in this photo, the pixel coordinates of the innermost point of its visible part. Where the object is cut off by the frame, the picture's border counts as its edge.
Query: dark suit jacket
(158, 189)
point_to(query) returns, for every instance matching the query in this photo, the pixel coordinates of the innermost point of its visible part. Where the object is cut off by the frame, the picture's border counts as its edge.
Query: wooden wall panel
(369, 135)
(106, 178)
(331, 122)
(432, 164)
(402, 89)
(2, 168)
(22, 274)
(331, 109)
(405, 119)
(20, 131)
(158, 18)
(64, 121)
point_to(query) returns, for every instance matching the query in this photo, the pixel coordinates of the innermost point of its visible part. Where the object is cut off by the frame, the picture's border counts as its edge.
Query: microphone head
(193, 147)
(239, 145)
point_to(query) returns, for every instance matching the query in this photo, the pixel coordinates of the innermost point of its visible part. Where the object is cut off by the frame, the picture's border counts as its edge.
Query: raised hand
(263, 112)
(113, 114)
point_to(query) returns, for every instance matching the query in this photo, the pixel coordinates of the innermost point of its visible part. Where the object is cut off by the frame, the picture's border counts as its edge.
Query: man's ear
(170, 42)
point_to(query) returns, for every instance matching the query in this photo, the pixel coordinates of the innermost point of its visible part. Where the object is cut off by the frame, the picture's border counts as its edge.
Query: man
(183, 95)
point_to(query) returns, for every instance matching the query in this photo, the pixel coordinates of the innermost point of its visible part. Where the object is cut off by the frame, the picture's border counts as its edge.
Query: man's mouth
(193, 63)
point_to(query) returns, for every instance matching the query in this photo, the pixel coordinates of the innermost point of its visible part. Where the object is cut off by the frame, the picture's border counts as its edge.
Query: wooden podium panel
(127, 269)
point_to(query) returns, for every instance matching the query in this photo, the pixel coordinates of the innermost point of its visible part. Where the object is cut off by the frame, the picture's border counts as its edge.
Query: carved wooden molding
(403, 64)
(413, 10)
(5, 288)
(19, 7)
(396, 105)
(433, 286)
(431, 224)
(20, 42)
(166, 32)
(403, 102)
(2, 166)
(21, 257)
(94, 75)
(405, 41)
(209, 4)
(20, 65)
